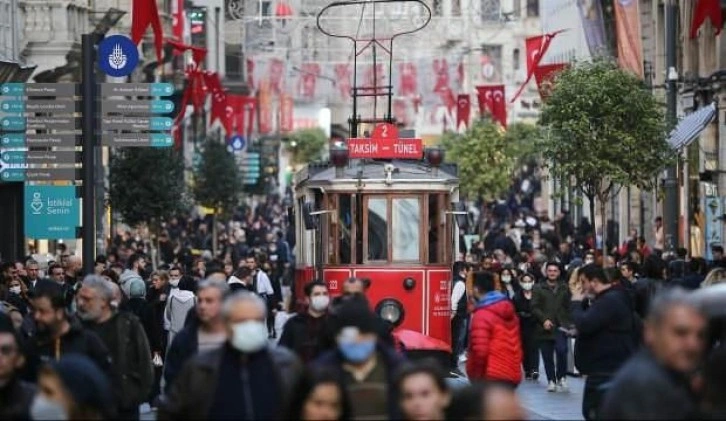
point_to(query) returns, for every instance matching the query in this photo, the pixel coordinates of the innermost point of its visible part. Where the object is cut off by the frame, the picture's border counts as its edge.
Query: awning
(691, 126)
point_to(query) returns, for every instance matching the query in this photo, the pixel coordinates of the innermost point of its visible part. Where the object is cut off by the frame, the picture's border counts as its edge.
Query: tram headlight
(391, 311)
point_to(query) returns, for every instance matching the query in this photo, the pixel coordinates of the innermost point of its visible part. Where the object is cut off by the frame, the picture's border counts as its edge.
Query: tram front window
(406, 221)
(377, 229)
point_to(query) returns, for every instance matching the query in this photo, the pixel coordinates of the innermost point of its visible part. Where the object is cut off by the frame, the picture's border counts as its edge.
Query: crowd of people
(633, 317)
(192, 332)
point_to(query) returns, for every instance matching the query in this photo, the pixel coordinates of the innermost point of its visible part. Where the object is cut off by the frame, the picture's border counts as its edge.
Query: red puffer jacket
(495, 350)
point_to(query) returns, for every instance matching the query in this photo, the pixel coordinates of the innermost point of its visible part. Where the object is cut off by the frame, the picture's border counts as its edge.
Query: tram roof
(405, 171)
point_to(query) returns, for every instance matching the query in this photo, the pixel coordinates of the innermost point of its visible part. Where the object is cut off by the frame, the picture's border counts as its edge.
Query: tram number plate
(376, 148)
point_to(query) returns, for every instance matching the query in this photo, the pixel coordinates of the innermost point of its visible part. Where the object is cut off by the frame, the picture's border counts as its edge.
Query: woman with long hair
(320, 395)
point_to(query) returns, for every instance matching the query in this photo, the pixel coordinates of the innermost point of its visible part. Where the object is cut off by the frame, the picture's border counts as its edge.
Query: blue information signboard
(51, 212)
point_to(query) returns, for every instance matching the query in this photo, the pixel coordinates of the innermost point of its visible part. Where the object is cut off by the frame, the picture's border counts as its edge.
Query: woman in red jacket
(495, 350)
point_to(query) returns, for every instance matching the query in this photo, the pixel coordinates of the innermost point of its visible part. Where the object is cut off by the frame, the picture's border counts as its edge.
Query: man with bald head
(124, 336)
(656, 383)
(244, 379)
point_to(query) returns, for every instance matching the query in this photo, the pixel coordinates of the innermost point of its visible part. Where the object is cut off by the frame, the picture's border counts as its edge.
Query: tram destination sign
(385, 143)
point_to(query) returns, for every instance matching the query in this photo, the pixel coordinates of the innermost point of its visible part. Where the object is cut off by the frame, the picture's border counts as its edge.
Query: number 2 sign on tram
(384, 143)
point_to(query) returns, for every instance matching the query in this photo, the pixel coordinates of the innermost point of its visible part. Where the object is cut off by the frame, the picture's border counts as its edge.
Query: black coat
(15, 400)
(182, 348)
(308, 337)
(643, 389)
(606, 333)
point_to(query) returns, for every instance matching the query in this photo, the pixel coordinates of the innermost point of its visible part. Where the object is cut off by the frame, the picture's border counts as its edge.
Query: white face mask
(174, 283)
(249, 336)
(506, 279)
(527, 286)
(319, 302)
(15, 289)
(43, 408)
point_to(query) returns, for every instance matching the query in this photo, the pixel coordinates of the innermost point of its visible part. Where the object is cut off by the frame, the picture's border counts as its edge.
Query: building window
(515, 59)
(265, 8)
(532, 8)
(456, 7)
(437, 7)
(490, 10)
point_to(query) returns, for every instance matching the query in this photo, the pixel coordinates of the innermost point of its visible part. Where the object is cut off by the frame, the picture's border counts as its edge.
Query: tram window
(406, 219)
(377, 229)
(434, 230)
(345, 224)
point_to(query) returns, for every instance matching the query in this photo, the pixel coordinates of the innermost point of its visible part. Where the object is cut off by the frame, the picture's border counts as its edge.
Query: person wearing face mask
(132, 374)
(72, 389)
(527, 327)
(495, 352)
(307, 333)
(606, 333)
(17, 295)
(245, 379)
(365, 363)
(179, 303)
(509, 284)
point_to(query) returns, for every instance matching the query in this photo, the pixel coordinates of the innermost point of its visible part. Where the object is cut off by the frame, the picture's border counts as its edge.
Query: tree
(147, 186)
(307, 145)
(217, 182)
(605, 131)
(486, 157)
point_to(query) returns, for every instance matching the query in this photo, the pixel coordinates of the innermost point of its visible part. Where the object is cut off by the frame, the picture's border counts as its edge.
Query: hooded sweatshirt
(495, 351)
(125, 279)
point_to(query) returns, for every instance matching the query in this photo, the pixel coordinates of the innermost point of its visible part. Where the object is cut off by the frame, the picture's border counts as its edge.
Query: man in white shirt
(263, 287)
(459, 316)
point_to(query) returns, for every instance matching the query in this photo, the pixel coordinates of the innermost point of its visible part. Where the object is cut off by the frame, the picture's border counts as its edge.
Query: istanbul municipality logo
(117, 56)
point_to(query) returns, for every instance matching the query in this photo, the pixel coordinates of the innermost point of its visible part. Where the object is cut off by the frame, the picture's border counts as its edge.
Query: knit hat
(85, 382)
(137, 288)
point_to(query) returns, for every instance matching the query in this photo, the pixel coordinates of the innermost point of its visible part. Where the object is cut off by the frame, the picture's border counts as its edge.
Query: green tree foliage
(605, 131)
(217, 178)
(217, 181)
(487, 156)
(307, 145)
(146, 184)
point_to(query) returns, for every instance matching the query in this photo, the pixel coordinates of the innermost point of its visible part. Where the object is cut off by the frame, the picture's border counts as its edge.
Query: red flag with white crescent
(463, 109)
(177, 12)
(286, 113)
(407, 79)
(544, 75)
(145, 13)
(342, 80)
(498, 105)
(536, 48)
(484, 97)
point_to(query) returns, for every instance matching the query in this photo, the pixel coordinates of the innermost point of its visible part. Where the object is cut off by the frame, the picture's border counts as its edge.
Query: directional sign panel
(39, 89)
(56, 106)
(156, 140)
(14, 124)
(137, 89)
(21, 140)
(36, 157)
(51, 212)
(137, 107)
(136, 123)
(39, 174)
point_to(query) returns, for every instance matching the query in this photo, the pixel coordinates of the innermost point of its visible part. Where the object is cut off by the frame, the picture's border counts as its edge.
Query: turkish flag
(309, 73)
(219, 98)
(441, 70)
(276, 75)
(544, 75)
(407, 79)
(198, 53)
(492, 98)
(342, 80)
(143, 14)
(536, 48)
(400, 111)
(177, 11)
(706, 9)
(265, 110)
(286, 113)
(236, 113)
(463, 109)
(250, 73)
